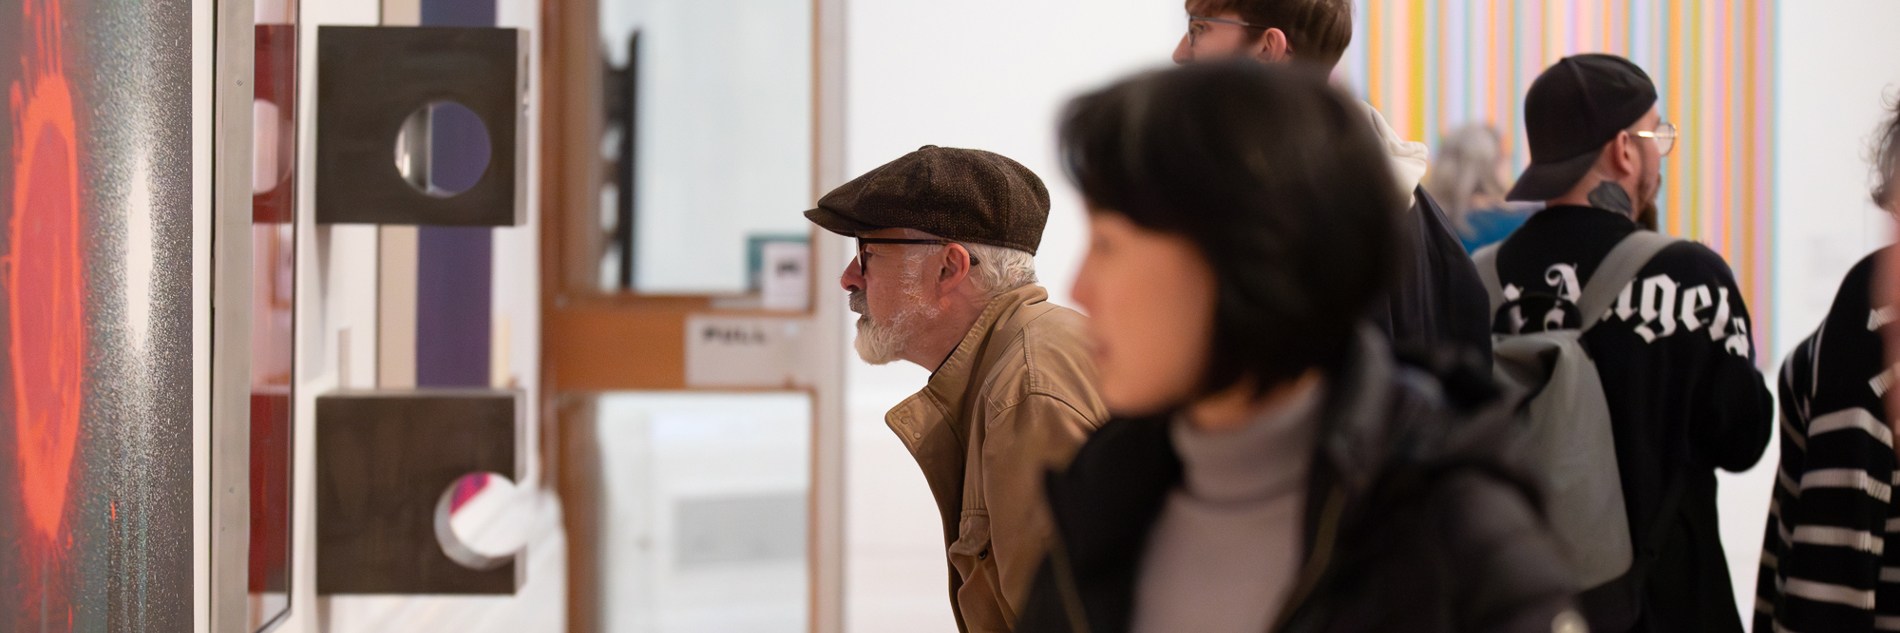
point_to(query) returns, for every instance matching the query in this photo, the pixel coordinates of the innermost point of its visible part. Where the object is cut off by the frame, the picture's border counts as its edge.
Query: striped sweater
(1825, 564)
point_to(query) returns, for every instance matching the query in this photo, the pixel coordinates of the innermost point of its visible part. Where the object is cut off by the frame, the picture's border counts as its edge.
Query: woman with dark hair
(1271, 467)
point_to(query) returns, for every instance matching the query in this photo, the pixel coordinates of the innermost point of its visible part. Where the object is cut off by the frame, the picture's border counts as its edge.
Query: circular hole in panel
(483, 519)
(443, 149)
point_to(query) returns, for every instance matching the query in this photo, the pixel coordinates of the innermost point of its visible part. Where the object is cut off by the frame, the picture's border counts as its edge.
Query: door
(692, 380)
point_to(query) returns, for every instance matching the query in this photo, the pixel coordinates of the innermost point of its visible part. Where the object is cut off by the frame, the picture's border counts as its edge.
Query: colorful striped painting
(1433, 66)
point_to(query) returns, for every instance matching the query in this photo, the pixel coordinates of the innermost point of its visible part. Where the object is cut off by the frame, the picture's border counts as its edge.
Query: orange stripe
(1609, 27)
(1677, 68)
(1609, 22)
(1490, 78)
(1725, 173)
(1705, 160)
(1375, 67)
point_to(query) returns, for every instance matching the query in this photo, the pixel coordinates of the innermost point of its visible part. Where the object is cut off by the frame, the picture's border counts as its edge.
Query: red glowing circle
(45, 287)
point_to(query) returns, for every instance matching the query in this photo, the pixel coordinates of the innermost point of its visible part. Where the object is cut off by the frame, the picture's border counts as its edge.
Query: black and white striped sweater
(1825, 564)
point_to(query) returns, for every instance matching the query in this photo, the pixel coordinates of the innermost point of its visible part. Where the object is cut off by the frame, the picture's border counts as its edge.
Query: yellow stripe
(1416, 83)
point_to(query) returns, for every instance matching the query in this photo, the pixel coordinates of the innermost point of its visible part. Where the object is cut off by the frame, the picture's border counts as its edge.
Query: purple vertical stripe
(453, 289)
(455, 265)
(458, 12)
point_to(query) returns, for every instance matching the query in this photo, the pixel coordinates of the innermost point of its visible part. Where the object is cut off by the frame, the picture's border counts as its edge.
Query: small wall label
(746, 351)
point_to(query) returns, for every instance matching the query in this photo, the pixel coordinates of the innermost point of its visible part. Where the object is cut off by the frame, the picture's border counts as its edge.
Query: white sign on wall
(724, 351)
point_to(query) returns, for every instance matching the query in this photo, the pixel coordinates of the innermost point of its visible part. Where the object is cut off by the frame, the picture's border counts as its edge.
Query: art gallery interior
(349, 316)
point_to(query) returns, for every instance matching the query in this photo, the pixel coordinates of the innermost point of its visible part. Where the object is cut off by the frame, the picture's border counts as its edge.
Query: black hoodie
(1677, 361)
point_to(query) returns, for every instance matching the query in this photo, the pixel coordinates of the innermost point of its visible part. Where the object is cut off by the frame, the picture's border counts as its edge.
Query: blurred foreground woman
(1270, 467)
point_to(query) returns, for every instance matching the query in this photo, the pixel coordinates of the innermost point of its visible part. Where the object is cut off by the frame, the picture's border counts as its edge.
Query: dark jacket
(1677, 360)
(1439, 301)
(1414, 521)
(1831, 535)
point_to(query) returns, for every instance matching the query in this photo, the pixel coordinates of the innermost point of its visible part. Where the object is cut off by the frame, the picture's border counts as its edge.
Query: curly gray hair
(1887, 159)
(999, 270)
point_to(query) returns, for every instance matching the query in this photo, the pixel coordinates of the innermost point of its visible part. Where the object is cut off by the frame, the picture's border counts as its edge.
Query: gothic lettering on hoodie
(1657, 305)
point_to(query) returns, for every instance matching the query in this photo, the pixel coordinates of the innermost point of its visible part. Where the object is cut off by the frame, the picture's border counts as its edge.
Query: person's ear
(1626, 156)
(956, 266)
(1271, 47)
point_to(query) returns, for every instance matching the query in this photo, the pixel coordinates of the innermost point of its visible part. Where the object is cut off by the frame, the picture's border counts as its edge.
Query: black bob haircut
(1276, 178)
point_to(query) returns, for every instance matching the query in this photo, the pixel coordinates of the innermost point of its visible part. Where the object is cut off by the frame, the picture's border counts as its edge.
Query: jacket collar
(945, 394)
(1355, 426)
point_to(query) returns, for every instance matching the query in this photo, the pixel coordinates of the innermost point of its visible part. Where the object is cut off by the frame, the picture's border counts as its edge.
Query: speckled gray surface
(126, 560)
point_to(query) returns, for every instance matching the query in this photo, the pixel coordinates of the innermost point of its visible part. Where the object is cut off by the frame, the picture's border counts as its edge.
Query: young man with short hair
(1675, 353)
(945, 279)
(1439, 301)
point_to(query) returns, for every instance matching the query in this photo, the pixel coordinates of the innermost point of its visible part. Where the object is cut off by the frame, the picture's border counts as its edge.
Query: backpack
(1565, 434)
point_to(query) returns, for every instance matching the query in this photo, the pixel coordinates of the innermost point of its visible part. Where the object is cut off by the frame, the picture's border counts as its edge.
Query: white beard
(878, 345)
(883, 343)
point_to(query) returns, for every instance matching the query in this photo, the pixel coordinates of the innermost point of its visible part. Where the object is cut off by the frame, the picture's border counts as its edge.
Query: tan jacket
(1015, 399)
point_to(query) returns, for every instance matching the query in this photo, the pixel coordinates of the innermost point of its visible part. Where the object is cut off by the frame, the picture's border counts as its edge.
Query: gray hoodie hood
(1409, 159)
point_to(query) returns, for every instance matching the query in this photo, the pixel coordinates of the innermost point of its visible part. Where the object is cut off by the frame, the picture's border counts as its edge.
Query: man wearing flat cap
(1675, 352)
(945, 279)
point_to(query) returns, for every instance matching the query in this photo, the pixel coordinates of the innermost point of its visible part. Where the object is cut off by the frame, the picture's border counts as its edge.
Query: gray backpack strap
(1486, 260)
(1617, 270)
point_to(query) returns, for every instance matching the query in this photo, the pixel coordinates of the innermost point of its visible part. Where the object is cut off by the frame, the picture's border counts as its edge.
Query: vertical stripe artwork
(1431, 67)
(455, 264)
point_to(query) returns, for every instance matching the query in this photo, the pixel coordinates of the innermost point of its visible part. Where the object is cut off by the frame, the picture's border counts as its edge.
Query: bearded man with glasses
(1675, 353)
(1438, 305)
(945, 279)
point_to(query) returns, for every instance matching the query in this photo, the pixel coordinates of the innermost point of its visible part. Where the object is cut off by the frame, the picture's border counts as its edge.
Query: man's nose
(1183, 52)
(851, 280)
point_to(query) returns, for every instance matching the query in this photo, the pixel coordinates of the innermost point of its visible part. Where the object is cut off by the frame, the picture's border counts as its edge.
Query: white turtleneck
(1226, 549)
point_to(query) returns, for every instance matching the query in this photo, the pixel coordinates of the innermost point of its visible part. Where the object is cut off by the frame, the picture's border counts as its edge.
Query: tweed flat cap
(963, 195)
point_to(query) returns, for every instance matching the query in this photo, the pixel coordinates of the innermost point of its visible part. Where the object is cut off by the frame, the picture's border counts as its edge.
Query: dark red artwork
(96, 316)
(45, 313)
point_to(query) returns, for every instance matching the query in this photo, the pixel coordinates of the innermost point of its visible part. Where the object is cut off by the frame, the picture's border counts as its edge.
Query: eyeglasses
(1665, 137)
(1194, 33)
(864, 253)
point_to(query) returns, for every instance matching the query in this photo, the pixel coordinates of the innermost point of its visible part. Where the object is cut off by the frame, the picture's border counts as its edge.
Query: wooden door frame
(593, 342)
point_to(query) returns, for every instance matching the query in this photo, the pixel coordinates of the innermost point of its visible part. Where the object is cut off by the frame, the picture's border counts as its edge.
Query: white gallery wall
(983, 74)
(1838, 62)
